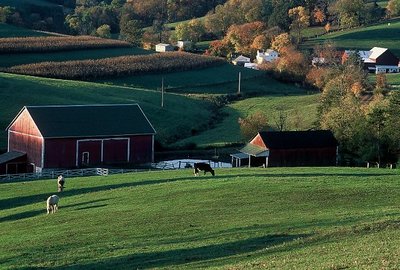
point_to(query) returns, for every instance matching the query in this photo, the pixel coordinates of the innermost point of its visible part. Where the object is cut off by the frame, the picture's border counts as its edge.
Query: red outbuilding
(289, 148)
(72, 136)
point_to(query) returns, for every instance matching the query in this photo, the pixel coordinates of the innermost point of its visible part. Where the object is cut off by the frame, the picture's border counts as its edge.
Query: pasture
(175, 120)
(275, 218)
(300, 112)
(364, 38)
(8, 30)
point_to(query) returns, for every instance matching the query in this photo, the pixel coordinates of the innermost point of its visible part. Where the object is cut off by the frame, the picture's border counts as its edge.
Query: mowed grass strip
(175, 120)
(118, 66)
(56, 43)
(275, 218)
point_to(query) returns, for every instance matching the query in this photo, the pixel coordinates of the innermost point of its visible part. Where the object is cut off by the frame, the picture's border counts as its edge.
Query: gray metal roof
(90, 120)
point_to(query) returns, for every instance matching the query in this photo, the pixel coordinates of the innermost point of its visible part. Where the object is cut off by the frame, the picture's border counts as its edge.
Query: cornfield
(57, 43)
(118, 66)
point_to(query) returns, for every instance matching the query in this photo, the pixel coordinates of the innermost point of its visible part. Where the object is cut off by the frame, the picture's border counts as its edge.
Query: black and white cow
(201, 166)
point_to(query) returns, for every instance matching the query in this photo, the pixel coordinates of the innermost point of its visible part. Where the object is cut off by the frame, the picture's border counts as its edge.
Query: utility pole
(240, 76)
(162, 92)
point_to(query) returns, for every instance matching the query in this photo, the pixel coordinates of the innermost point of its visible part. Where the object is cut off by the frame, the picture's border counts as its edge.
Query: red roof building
(288, 148)
(73, 136)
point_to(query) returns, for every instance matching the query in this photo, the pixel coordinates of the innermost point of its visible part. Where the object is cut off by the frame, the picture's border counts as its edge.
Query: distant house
(251, 66)
(79, 136)
(377, 60)
(267, 56)
(163, 47)
(288, 148)
(241, 60)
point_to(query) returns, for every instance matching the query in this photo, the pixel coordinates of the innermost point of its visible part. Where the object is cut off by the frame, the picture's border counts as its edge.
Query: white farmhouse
(267, 56)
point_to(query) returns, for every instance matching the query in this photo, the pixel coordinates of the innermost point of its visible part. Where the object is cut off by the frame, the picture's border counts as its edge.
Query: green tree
(104, 31)
(5, 13)
(131, 31)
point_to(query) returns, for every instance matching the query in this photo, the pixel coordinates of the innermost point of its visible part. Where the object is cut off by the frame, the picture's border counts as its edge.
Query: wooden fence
(47, 174)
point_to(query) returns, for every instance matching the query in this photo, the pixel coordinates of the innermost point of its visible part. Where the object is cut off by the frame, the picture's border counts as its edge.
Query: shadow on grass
(174, 258)
(33, 213)
(20, 201)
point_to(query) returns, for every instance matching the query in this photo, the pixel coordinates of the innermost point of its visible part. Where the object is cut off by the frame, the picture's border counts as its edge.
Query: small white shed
(163, 47)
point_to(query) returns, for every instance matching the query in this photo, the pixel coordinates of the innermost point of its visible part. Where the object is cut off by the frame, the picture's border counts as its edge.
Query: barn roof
(89, 120)
(298, 139)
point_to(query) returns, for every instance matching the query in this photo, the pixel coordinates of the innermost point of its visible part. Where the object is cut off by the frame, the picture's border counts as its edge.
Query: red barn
(289, 148)
(73, 136)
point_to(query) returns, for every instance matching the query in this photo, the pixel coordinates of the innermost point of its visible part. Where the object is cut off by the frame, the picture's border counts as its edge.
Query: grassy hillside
(221, 79)
(7, 30)
(300, 111)
(364, 38)
(283, 218)
(178, 117)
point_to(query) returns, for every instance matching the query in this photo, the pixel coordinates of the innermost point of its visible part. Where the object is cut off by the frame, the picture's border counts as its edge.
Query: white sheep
(60, 183)
(52, 204)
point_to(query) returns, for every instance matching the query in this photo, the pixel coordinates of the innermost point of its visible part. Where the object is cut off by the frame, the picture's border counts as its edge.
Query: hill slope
(178, 117)
(282, 218)
(381, 35)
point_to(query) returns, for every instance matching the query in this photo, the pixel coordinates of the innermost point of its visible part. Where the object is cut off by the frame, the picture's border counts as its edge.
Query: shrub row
(118, 66)
(56, 43)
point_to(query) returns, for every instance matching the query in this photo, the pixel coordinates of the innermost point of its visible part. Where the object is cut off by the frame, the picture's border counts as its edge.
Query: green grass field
(7, 30)
(364, 38)
(392, 79)
(301, 112)
(176, 119)
(281, 218)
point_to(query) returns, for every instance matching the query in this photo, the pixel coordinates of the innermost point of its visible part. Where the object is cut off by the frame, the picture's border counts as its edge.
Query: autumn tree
(291, 65)
(280, 42)
(393, 8)
(220, 48)
(252, 124)
(242, 36)
(300, 20)
(350, 12)
(319, 16)
(5, 13)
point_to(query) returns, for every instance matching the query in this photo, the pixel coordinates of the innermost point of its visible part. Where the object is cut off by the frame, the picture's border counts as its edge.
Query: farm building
(82, 135)
(267, 56)
(288, 148)
(377, 60)
(241, 60)
(162, 47)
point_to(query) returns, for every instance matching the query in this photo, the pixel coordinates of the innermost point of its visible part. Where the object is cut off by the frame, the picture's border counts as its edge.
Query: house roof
(376, 52)
(89, 120)
(9, 156)
(241, 58)
(298, 139)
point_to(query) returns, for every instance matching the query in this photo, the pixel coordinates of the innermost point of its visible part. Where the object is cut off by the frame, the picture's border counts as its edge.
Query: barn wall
(29, 144)
(258, 141)
(60, 153)
(25, 124)
(302, 157)
(387, 58)
(141, 149)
